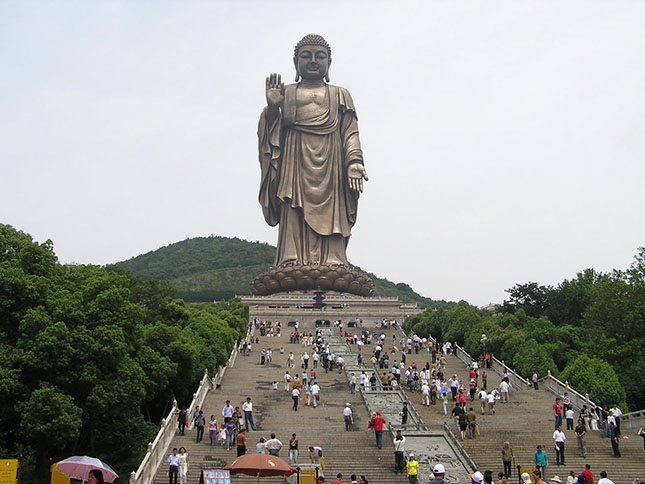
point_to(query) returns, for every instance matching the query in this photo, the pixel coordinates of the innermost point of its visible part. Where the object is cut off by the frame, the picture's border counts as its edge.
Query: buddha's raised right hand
(274, 90)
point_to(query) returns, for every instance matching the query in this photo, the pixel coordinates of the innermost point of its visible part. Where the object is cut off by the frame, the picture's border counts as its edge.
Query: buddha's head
(312, 58)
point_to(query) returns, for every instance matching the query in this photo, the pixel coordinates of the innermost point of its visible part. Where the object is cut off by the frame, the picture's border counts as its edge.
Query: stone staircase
(525, 422)
(344, 452)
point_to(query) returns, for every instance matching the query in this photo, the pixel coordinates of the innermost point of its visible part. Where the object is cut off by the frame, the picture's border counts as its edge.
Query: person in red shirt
(377, 422)
(557, 412)
(587, 474)
(339, 476)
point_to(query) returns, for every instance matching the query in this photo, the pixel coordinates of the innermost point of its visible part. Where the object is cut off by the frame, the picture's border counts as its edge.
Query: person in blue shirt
(541, 460)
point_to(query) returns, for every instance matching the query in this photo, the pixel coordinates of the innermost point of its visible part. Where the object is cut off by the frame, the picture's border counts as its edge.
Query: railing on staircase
(559, 388)
(450, 435)
(517, 382)
(632, 420)
(158, 449)
(500, 368)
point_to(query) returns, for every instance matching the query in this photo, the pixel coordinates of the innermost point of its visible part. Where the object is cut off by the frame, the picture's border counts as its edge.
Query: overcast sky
(504, 140)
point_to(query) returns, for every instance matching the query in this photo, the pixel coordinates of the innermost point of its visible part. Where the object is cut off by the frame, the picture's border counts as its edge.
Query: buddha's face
(312, 62)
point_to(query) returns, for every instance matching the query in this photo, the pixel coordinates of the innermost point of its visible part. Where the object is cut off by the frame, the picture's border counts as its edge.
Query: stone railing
(500, 368)
(199, 396)
(633, 420)
(517, 382)
(158, 449)
(450, 435)
(559, 388)
(463, 355)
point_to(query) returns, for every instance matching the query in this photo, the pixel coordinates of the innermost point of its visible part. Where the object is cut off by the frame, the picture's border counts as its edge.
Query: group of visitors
(178, 465)
(587, 421)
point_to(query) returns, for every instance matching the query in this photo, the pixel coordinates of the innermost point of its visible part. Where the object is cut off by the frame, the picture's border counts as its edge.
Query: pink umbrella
(79, 467)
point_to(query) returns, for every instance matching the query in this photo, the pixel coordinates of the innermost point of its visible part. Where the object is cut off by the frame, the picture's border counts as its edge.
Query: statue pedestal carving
(338, 278)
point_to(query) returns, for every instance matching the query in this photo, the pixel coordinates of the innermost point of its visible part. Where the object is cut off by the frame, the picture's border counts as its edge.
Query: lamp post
(483, 342)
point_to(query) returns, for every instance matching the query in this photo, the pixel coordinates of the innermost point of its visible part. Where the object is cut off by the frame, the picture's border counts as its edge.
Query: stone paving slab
(429, 447)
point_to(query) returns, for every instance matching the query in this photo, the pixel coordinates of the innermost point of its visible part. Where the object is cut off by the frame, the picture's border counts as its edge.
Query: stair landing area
(344, 452)
(525, 422)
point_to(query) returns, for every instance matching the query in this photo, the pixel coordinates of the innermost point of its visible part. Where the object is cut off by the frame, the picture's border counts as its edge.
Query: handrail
(157, 449)
(495, 362)
(199, 396)
(455, 442)
(558, 388)
(633, 420)
(517, 382)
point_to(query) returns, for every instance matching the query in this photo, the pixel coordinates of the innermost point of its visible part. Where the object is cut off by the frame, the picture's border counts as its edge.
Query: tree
(597, 378)
(91, 358)
(49, 421)
(531, 297)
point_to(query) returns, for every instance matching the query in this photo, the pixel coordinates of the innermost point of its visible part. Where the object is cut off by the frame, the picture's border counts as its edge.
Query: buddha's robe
(304, 184)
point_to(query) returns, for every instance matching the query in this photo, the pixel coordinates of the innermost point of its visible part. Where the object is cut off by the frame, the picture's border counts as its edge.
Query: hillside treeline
(92, 358)
(205, 269)
(589, 331)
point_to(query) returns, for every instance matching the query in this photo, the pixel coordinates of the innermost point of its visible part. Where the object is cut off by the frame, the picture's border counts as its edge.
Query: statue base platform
(338, 278)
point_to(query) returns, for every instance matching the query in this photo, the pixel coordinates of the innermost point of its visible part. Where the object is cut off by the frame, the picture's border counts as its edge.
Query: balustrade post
(149, 447)
(133, 477)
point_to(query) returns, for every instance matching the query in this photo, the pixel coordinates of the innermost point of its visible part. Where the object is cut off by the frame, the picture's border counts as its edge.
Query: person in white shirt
(260, 446)
(273, 445)
(425, 392)
(295, 395)
(483, 399)
(247, 407)
(173, 466)
(616, 413)
(349, 419)
(287, 381)
(315, 455)
(454, 385)
(352, 383)
(558, 443)
(569, 414)
(504, 388)
(315, 394)
(491, 403)
(603, 478)
(399, 453)
(227, 411)
(364, 380)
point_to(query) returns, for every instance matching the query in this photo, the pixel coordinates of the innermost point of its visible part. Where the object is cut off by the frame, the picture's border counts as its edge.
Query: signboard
(216, 477)
(308, 476)
(529, 471)
(8, 471)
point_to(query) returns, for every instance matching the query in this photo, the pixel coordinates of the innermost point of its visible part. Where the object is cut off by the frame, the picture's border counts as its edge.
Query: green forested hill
(213, 268)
